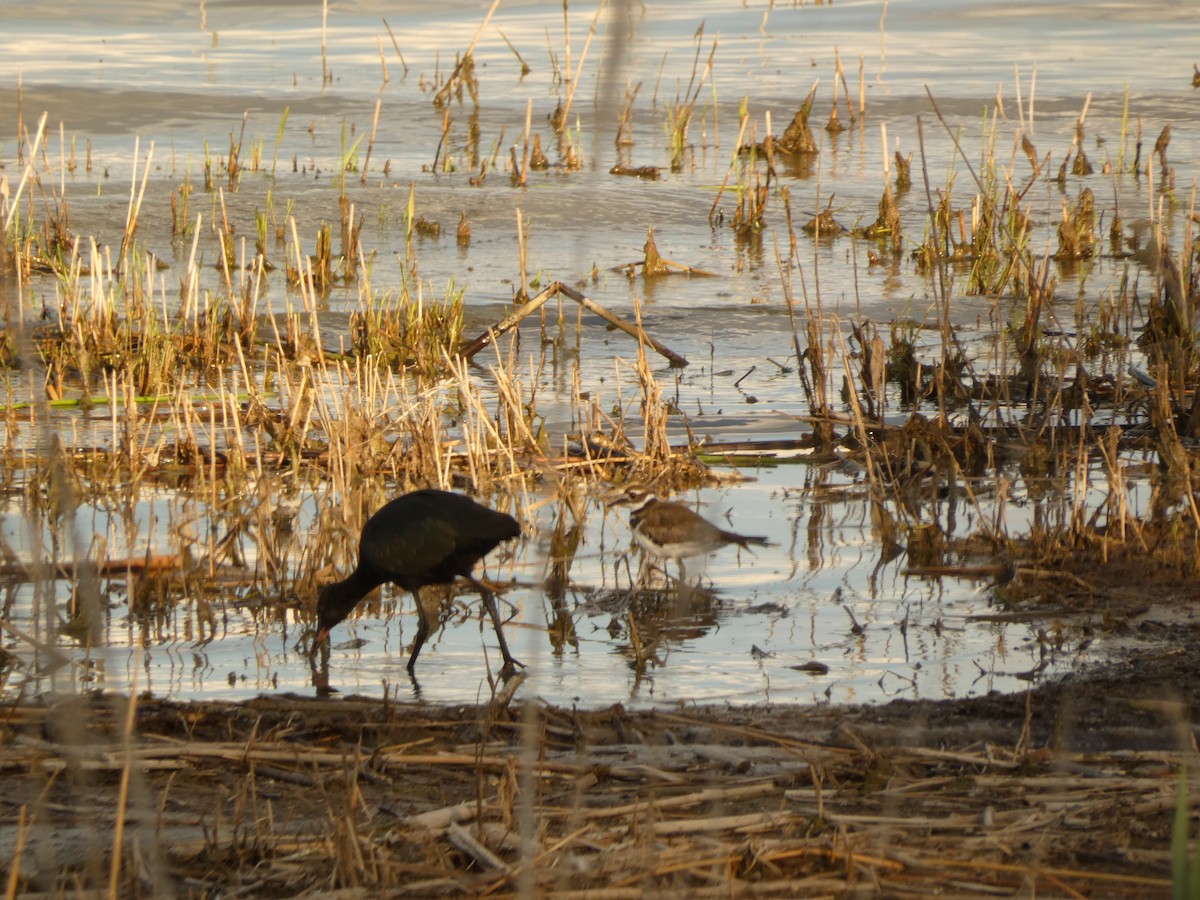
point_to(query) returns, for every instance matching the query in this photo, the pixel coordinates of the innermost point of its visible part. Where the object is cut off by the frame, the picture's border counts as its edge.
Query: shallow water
(821, 593)
(182, 76)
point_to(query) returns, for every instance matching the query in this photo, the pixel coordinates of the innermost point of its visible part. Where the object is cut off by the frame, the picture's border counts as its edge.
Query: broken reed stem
(574, 83)
(860, 426)
(522, 245)
(939, 285)
(733, 161)
(136, 197)
(374, 128)
(26, 173)
(567, 38)
(523, 174)
(840, 74)
(392, 35)
(443, 94)
(862, 92)
(525, 69)
(635, 642)
(382, 62)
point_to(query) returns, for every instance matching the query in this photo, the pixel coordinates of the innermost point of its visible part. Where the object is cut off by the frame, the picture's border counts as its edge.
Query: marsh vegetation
(938, 344)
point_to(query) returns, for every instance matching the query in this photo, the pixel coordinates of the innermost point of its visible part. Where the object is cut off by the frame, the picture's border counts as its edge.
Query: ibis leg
(510, 664)
(422, 631)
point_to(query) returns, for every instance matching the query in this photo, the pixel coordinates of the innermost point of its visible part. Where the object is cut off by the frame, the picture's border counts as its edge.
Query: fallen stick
(468, 350)
(104, 569)
(617, 322)
(668, 267)
(465, 841)
(697, 798)
(536, 302)
(444, 817)
(756, 821)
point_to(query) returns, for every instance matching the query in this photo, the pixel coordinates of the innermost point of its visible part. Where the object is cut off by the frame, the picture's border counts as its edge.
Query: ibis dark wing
(403, 548)
(430, 536)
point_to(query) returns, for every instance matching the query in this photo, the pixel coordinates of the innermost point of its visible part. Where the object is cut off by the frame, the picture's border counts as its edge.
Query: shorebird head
(634, 495)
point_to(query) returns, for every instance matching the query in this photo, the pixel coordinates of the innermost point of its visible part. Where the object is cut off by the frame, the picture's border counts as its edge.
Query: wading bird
(670, 530)
(426, 537)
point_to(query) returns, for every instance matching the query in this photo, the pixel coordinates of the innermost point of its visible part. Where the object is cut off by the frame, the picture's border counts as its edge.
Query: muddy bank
(1070, 788)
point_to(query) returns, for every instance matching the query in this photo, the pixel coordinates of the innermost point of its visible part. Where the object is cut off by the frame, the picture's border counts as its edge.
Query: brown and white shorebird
(671, 530)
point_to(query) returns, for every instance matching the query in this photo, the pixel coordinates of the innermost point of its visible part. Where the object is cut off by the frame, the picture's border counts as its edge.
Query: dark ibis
(426, 537)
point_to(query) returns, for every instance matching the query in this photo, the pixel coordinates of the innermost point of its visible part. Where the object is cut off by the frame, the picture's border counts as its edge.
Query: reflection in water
(565, 537)
(829, 591)
(649, 619)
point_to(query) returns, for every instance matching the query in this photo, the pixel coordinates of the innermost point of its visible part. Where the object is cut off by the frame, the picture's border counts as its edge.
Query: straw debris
(285, 796)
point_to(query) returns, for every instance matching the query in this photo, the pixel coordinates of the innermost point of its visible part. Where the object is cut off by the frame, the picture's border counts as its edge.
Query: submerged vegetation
(288, 365)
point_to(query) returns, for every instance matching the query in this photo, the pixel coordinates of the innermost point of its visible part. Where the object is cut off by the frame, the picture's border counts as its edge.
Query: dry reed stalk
(135, 199)
(374, 121)
(14, 872)
(522, 294)
(383, 67)
(483, 433)
(561, 116)
(567, 39)
(862, 90)
(326, 74)
(733, 162)
(123, 791)
(840, 74)
(452, 82)
(26, 174)
(655, 445)
(516, 412)
(392, 36)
